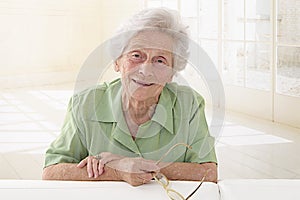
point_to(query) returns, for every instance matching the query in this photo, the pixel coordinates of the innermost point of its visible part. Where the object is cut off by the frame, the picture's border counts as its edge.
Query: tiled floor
(30, 118)
(254, 148)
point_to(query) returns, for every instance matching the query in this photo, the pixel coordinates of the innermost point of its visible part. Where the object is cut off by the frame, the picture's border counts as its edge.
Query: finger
(147, 177)
(90, 167)
(82, 163)
(144, 178)
(143, 181)
(100, 167)
(95, 167)
(135, 180)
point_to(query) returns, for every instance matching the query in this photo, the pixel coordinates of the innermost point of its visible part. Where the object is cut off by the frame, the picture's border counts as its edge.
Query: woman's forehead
(151, 40)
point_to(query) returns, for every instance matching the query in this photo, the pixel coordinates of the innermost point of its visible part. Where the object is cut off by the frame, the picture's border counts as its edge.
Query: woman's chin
(141, 96)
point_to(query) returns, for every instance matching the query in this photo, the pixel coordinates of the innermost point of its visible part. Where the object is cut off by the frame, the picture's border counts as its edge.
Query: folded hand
(135, 171)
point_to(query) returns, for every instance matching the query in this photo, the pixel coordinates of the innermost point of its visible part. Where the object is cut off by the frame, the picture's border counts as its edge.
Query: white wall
(53, 35)
(114, 12)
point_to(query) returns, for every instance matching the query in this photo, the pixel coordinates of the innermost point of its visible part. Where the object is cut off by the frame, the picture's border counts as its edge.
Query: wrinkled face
(146, 65)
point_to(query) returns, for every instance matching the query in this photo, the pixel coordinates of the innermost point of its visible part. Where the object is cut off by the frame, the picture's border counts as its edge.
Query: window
(247, 39)
(247, 43)
(288, 47)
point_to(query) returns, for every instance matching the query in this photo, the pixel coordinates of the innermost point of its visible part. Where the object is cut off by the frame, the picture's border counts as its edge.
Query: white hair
(161, 19)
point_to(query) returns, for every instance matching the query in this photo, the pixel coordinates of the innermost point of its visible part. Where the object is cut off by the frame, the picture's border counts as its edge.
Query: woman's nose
(146, 69)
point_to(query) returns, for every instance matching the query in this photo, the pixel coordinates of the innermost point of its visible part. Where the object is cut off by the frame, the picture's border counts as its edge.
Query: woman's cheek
(129, 65)
(164, 74)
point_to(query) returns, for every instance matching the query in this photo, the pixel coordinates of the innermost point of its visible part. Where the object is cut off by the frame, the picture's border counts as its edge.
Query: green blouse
(95, 123)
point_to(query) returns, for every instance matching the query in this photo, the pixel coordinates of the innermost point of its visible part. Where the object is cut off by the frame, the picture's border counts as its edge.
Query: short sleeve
(202, 143)
(68, 147)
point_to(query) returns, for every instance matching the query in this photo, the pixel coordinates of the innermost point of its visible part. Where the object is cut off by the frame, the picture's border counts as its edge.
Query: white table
(70, 190)
(260, 189)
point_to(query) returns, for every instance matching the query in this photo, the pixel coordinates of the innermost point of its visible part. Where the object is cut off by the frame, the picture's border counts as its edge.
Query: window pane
(189, 8)
(288, 70)
(258, 74)
(153, 3)
(207, 12)
(170, 4)
(211, 48)
(234, 19)
(234, 62)
(193, 27)
(288, 21)
(208, 19)
(258, 24)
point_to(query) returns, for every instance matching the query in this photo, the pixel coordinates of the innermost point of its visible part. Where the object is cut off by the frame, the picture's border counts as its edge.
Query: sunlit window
(247, 43)
(238, 35)
(288, 48)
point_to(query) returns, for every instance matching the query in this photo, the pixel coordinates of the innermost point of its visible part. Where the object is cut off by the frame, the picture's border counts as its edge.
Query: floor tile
(8, 109)
(23, 126)
(28, 148)
(13, 118)
(25, 137)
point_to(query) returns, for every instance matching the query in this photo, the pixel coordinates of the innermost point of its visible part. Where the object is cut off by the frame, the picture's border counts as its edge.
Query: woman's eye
(136, 56)
(161, 61)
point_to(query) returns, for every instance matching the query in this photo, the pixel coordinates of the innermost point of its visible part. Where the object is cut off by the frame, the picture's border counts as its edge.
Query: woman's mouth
(142, 83)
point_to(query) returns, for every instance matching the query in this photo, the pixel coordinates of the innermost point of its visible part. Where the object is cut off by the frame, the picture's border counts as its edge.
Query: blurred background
(254, 44)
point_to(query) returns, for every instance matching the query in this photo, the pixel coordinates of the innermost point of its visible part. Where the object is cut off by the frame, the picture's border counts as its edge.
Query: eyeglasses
(164, 181)
(173, 194)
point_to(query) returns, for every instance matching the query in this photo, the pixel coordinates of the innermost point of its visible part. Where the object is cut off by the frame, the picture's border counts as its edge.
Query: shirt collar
(164, 110)
(109, 109)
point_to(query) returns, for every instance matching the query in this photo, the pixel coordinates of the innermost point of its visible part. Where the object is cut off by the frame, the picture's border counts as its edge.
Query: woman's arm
(70, 171)
(135, 171)
(191, 171)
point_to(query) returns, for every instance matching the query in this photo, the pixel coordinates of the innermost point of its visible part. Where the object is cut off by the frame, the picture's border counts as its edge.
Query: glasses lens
(162, 180)
(174, 195)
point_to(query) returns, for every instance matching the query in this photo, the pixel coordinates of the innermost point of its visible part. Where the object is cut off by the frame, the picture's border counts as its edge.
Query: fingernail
(90, 175)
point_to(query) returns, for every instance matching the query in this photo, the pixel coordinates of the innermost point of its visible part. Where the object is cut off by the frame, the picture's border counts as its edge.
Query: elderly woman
(134, 127)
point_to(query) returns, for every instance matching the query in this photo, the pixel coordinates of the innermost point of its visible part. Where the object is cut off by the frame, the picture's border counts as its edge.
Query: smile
(141, 83)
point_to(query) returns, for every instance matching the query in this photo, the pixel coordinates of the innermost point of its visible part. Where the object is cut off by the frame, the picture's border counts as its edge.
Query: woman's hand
(95, 164)
(135, 171)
